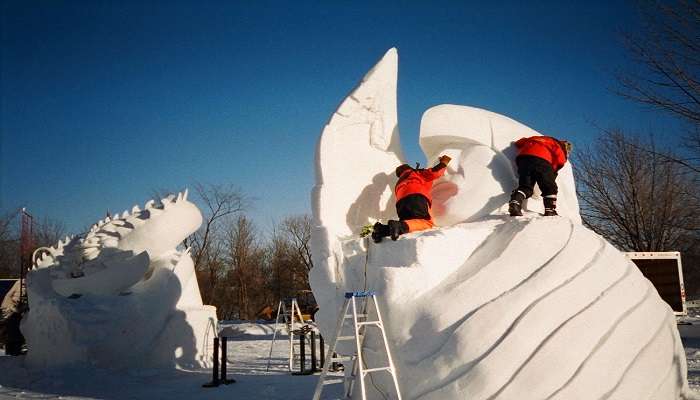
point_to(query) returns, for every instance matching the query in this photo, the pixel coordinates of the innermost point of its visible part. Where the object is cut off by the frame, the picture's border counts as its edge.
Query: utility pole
(26, 246)
(14, 340)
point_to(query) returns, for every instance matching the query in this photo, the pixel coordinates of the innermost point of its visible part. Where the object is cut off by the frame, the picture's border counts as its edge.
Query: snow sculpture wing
(356, 157)
(357, 153)
(482, 175)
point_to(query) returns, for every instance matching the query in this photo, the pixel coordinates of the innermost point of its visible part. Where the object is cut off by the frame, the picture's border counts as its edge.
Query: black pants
(413, 206)
(533, 170)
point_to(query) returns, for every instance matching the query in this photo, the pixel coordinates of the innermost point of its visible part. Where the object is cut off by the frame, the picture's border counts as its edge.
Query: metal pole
(224, 361)
(25, 248)
(323, 350)
(314, 368)
(215, 379)
(302, 351)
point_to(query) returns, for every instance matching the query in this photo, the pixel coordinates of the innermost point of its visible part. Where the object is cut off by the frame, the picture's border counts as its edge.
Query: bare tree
(298, 230)
(667, 53)
(48, 232)
(6, 221)
(244, 285)
(634, 197)
(9, 245)
(290, 256)
(219, 202)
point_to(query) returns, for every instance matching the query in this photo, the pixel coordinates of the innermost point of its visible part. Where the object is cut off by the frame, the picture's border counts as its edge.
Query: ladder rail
(360, 362)
(291, 317)
(388, 352)
(359, 370)
(290, 331)
(274, 336)
(331, 351)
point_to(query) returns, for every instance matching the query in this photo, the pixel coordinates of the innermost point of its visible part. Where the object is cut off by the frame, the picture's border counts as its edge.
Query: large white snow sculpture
(122, 296)
(482, 174)
(486, 306)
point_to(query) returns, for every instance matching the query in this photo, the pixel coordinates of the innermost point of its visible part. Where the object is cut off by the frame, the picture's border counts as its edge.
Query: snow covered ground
(691, 342)
(247, 353)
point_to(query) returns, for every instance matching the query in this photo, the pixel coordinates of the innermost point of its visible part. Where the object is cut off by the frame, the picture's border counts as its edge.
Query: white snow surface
(247, 359)
(482, 173)
(485, 306)
(123, 295)
(247, 356)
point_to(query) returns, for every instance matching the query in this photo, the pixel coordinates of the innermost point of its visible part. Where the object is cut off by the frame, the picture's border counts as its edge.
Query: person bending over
(413, 201)
(539, 160)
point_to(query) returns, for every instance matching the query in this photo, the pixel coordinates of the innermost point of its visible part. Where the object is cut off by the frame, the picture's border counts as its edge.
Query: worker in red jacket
(539, 159)
(413, 200)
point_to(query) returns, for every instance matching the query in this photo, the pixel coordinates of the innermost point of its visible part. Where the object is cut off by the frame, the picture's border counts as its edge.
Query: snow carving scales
(123, 295)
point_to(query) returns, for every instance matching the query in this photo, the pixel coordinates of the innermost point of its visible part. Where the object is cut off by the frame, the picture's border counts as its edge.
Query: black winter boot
(380, 231)
(397, 228)
(550, 206)
(516, 203)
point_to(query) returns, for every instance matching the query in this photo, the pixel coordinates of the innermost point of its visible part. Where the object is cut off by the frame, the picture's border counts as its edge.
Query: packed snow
(122, 295)
(247, 360)
(247, 356)
(486, 306)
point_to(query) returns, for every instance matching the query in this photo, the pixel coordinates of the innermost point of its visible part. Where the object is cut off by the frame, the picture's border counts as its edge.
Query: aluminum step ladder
(360, 322)
(289, 316)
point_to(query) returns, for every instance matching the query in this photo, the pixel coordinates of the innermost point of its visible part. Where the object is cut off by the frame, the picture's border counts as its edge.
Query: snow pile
(491, 307)
(123, 296)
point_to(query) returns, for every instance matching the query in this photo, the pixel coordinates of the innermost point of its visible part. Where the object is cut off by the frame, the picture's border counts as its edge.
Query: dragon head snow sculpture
(486, 306)
(121, 295)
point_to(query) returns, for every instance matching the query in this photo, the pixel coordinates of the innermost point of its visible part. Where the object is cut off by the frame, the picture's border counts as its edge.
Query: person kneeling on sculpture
(413, 200)
(539, 159)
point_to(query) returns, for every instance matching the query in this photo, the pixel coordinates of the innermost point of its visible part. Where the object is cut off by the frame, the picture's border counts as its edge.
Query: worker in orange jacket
(413, 200)
(539, 160)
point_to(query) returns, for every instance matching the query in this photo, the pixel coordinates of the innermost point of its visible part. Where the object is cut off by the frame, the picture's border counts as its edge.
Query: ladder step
(349, 316)
(359, 294)
(359, 321)
(367, 371)
(375, 323)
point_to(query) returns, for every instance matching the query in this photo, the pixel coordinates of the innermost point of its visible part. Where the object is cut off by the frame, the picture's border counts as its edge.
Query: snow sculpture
(122, 296)
(487, 306)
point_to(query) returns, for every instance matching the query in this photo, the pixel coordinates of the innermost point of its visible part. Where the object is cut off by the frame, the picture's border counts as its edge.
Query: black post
(224, 358)
(323, 350)
(215, 379)
(314, 368)
(302, 351)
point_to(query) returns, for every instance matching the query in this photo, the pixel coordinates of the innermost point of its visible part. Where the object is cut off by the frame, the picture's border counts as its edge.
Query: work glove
(445, 159)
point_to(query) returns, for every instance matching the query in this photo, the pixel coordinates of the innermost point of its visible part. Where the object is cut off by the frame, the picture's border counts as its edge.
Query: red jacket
(418, 181)
(544, 147)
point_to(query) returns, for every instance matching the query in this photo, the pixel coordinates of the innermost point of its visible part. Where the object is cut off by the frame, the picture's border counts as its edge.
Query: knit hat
(567, 146)
(401, 168)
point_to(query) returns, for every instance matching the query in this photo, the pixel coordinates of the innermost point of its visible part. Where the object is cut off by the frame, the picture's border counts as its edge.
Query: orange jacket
(418, 181)
(545, 147)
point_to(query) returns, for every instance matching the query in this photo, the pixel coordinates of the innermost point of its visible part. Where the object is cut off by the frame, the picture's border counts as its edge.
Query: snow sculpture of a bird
(485, 306)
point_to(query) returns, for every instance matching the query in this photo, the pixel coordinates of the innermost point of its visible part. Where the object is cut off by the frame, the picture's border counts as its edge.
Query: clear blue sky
(103, 102)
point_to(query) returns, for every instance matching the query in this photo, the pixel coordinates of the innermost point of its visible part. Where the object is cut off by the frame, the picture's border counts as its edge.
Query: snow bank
(488, 306)
(123, 296)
